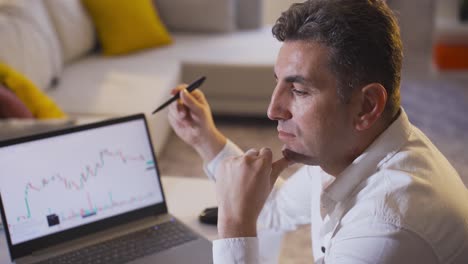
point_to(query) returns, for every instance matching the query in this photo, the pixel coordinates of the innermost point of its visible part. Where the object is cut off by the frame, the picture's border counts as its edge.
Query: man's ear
(373, 98)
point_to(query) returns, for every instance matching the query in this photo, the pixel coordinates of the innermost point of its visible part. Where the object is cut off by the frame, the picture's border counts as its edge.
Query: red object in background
(451, 57)
(11, 106)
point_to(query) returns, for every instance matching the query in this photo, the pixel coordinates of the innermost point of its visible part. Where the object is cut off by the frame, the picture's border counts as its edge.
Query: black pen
(189, 88)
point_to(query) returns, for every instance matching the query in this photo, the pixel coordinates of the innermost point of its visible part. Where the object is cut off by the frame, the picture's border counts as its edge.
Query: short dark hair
(363, 37)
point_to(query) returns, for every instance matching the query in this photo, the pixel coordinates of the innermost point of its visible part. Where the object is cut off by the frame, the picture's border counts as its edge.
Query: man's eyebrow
(296, 79)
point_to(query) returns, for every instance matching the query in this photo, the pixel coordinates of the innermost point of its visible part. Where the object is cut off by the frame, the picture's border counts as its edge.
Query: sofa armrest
(14, 127)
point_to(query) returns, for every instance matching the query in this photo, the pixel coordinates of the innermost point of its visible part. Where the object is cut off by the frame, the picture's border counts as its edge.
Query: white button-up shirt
(399, 202)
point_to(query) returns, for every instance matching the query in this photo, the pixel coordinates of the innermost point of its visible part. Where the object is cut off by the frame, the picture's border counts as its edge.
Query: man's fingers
(177, 110)
(190, 101)
(182, 110)
(178, 89)
(199, 96)
(277, 167)
(266, 152)
(252, 152)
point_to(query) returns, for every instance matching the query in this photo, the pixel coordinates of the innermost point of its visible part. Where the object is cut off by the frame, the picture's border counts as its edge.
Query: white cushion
(198, 15)
(116, 86)
(29, 43)
(74, 27)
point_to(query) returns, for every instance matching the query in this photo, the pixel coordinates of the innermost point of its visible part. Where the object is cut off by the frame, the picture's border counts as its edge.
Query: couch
(53, 43)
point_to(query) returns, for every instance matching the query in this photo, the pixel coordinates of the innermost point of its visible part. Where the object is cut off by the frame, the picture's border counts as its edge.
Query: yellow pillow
(124, 26)
(40, 105)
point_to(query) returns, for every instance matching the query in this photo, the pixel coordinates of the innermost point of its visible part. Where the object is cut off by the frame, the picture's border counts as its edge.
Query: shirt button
(323, 249)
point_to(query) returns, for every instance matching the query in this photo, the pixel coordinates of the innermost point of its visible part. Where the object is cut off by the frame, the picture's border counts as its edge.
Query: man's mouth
(285, 135)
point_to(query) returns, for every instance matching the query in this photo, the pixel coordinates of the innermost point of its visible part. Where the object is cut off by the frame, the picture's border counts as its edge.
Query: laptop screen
(56, 183)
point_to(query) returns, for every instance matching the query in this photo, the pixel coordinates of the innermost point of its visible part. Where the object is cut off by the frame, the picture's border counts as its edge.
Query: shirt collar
(384, 147)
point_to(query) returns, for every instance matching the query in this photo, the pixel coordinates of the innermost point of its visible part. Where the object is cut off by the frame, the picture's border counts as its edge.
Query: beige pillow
(29, 43)
(74, 27)
(198, 15)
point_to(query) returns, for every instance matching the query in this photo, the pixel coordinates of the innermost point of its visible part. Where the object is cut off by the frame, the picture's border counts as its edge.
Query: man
(374, 188)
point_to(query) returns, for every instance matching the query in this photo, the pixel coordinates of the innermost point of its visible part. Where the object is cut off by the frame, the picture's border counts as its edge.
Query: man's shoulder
(429, 206)
(402, 194)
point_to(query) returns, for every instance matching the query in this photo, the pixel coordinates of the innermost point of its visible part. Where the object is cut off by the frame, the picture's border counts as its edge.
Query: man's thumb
(277, 167)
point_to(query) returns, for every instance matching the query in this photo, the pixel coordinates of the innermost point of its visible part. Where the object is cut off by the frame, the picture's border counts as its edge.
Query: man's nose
(279, 104)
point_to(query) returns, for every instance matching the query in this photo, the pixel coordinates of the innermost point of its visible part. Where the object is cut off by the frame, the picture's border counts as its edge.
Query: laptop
(91, 194)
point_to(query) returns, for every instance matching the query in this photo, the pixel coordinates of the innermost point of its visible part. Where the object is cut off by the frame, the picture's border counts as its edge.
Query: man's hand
(243, 185)
(192, 121)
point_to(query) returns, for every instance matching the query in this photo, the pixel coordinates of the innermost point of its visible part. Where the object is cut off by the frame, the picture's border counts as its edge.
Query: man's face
(315, 126)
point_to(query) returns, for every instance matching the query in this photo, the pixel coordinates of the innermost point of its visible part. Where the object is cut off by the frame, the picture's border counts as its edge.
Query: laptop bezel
(27, 247)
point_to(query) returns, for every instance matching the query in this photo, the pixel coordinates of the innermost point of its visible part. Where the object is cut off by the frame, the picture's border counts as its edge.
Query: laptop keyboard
(129, 247)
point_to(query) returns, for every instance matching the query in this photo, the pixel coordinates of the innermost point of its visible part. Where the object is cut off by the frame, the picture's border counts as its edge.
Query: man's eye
(298, 92)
